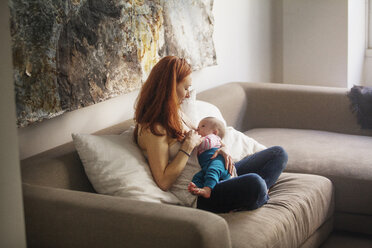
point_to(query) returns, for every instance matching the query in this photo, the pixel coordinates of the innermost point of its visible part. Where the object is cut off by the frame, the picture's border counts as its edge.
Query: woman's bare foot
(204, 192)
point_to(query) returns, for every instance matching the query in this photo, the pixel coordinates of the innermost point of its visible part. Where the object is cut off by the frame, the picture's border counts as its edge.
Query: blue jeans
(256, 174)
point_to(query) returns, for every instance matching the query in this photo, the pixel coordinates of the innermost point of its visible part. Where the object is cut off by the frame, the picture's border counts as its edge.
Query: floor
(346, 240)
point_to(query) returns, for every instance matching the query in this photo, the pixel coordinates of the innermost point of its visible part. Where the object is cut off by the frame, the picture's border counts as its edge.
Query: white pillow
(116, 166)
(239, 144)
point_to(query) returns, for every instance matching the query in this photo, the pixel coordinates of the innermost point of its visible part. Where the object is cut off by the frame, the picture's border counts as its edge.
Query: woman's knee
(255, 181)
(261, 190)
(280, 154)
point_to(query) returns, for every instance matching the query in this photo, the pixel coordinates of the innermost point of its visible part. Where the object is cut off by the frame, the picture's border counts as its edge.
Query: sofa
(325, 186)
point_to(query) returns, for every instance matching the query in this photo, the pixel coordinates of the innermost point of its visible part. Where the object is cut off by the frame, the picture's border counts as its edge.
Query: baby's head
(211, 125)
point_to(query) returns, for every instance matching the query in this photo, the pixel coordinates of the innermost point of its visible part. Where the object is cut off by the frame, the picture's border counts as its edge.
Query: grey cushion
(345, 159)
(299, 204)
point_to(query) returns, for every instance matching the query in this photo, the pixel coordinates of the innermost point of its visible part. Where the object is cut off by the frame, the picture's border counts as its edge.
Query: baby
(213, 170)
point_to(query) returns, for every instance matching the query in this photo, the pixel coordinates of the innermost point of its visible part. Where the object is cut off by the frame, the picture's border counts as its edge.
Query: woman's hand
(191, 140)
(229, 164)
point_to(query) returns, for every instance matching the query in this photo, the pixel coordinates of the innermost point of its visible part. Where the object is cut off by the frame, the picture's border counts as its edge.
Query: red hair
(158, 102)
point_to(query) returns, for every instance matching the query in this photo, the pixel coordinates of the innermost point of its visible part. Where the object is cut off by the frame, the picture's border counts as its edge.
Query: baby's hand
(192, 139)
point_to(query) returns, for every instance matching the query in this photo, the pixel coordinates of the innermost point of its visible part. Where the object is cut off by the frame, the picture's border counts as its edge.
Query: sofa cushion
(299, 205)
(345, 159)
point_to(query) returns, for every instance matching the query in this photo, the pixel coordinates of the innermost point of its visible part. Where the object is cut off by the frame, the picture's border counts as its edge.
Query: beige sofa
(326, 184)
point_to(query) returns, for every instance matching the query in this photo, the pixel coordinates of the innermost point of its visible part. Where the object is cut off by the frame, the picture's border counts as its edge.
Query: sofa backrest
(269, 105)
(243, 105)
(232, 102)
(61, 167)
(300, 107)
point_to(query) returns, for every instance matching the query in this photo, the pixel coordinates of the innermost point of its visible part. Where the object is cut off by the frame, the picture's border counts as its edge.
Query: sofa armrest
(64, 218)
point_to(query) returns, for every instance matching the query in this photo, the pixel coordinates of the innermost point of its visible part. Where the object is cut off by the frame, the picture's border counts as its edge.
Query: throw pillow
(116, 166)
(239, 144)
(361, 104)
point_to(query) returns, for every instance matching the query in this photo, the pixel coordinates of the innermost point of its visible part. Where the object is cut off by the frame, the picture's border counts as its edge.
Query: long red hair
(158, 102)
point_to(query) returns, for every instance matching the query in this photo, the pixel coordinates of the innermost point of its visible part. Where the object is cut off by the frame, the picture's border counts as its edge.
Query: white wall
(315, 43)
(367, 71)
(356, 41)
(248, 44)
(12, 230)
(324, 42)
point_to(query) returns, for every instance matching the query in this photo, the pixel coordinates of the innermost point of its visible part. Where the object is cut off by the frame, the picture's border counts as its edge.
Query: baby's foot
(191, 187)
(204, 192)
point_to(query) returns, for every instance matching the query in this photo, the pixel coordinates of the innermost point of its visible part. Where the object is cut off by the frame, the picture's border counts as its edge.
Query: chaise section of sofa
(343, 158)
(318, 130)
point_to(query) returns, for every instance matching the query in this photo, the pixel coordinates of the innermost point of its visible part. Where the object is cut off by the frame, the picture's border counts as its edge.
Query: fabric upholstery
(60, 167)
(299, 204)
(263, 105)
(345, 159)
(358, 223)
(340, 239)
(318, 237)
(66, 218)
(232, 105)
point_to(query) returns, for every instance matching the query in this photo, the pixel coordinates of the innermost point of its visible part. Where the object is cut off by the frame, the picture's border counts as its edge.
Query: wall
(12, 230)
(356, 41)
(324, 42)
(315, 43)
(248, 44)
(367, 72)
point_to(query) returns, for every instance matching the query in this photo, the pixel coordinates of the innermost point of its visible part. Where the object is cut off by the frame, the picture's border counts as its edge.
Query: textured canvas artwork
(68, 54)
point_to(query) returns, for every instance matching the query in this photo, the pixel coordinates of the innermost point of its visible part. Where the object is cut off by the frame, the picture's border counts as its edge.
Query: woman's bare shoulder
(146, 137)
(146, 130)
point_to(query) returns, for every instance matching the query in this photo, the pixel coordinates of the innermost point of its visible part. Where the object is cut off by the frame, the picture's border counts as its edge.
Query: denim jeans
(248, 191)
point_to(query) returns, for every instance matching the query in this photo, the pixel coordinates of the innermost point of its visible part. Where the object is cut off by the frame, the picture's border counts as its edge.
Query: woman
(167, 139)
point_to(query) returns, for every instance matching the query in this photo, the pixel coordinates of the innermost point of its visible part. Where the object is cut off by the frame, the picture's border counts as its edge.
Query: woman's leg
(246, 192)
(268, 163)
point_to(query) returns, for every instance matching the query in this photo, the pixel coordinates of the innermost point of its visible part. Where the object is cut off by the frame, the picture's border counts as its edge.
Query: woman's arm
(157, 147)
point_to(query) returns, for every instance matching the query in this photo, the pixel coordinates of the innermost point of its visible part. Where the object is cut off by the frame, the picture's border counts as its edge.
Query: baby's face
(205, 127)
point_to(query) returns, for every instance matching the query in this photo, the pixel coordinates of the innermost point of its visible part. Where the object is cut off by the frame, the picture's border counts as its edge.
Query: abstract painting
(69, 54)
